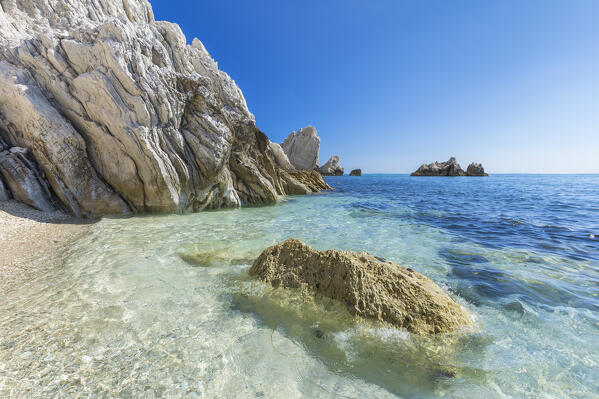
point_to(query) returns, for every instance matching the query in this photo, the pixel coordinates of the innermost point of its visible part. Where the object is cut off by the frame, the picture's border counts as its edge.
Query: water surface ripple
(161, 306)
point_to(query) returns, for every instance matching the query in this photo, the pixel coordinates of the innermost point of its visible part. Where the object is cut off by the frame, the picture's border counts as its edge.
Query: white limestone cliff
(120, 115)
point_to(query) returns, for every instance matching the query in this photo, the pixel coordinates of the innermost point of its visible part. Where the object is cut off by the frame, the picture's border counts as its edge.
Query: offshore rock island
(104, 110)
(450, 167)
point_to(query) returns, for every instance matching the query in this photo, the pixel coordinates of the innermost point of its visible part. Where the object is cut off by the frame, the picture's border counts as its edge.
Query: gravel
(30, 238)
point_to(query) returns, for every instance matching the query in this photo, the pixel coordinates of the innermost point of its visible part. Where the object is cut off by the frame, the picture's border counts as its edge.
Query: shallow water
(161, 306)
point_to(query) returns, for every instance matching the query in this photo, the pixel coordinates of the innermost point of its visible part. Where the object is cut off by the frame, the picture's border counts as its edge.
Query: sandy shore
(28, 237)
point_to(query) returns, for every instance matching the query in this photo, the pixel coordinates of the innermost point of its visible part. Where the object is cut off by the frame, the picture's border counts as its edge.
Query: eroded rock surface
(302, 148)
(24, 179)
(475, 169)
(356, 172)
(121, 115)
(450, 167)
(368, 286)
(332, 167)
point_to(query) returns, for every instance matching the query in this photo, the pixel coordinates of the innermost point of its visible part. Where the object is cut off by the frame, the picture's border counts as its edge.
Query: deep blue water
(547, 213)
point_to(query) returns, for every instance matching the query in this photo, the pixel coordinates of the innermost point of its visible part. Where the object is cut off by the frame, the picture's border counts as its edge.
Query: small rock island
(356, 172)
(450, 167)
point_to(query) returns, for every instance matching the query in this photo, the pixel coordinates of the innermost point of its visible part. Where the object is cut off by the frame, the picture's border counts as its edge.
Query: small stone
(318, 334)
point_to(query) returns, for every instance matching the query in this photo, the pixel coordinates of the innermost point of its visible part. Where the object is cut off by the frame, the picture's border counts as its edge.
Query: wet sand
(30, 238)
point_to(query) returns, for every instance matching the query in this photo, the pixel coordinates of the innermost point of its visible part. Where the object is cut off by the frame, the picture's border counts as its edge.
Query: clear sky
(392, 84)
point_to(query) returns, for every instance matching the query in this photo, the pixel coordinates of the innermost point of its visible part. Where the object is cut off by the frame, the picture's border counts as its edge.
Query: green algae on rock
(368, 286)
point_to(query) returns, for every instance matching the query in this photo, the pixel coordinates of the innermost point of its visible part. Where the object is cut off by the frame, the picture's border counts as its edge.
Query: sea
(161, 306)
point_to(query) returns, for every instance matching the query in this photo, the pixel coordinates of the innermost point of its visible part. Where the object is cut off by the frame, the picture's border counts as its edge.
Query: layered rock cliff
(116, 113)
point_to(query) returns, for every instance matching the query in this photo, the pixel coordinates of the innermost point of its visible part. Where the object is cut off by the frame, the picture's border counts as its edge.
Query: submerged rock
(356, 172)
(331, 167)
(475, 169)
(365, 285)
(122, 115)
(450, 167)
(302, 148)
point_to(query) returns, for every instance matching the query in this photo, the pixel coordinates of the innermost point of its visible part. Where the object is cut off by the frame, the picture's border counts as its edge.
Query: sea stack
(302, 148)
(116, 113)
(356, 172)
(475, 169)
(332, 167)
(368, 286)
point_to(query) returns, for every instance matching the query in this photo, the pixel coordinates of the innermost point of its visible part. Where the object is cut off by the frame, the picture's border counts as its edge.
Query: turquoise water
(161, 306)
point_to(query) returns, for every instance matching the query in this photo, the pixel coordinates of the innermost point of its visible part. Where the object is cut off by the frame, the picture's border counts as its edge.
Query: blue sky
(391, 84)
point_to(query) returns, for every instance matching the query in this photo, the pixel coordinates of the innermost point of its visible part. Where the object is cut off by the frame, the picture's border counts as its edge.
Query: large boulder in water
(475, 169)
(368, 286)
(356, 172)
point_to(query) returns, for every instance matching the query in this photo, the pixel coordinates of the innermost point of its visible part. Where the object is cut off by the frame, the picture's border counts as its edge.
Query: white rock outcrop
(332, 167)
(302, 148)
(280, 157)
(121, 115)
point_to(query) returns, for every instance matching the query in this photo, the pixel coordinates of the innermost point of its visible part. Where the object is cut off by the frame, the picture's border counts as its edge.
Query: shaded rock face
(280, 157)
(121, 115)
(368, 286)
(302, 148)
(332, 167)
(447, 168)
(356, 172)
(475, 169)
(24, 179)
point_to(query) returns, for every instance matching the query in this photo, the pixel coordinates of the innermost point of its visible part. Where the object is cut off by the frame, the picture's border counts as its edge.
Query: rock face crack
(122, 115)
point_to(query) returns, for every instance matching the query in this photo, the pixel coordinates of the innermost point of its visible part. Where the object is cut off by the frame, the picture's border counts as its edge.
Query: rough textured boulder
(356, 172)
(121, 115)
(24, 179)
(332, 167)
(475, 169)
(370, 287)
(447, 168)
(302, 148)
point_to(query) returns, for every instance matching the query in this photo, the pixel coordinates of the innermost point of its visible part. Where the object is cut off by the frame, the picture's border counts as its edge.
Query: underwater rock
(356, 172)
(450, 167)
(366, 286)
(475, 169)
